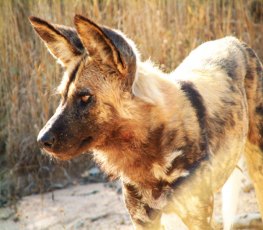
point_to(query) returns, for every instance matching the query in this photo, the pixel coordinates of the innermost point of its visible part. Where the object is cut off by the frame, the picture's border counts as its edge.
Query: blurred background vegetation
(164, 30)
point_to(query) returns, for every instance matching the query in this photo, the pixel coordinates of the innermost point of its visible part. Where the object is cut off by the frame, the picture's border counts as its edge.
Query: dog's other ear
(62, 42)
(96, 42)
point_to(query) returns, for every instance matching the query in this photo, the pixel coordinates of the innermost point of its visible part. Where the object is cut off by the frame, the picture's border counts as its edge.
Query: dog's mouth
(85, 142)
(66, 155)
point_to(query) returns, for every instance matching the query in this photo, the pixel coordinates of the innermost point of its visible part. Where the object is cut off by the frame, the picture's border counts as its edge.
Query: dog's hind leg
(230, 196)
(194, 205)
(254, 159)
(199, 215)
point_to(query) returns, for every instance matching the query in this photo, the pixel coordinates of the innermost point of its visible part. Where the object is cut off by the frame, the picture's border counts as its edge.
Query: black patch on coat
(156, 134)
(244, 54)
(193, 153)
(229, 65)
(177, 182)
(228, 101)
(197, 102)
(259, 68)
(151, 213)
(261, 134)
(158, 189)
(74, 73)
(169, 137)
(259, 110)
(155, 138)
(140, 222)
(71, 79)
(250, 74)
(132, 191)
(251, 52)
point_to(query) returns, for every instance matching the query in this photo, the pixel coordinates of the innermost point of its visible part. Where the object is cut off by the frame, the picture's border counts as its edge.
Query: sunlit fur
(172, 138)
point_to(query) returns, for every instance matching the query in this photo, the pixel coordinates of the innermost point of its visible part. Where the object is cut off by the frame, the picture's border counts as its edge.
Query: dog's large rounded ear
(97, 42)
(62, 42)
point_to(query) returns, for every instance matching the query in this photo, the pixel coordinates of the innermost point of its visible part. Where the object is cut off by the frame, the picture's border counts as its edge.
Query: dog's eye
(85, 98)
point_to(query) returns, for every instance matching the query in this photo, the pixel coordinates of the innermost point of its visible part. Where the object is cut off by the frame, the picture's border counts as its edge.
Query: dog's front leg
(142, 215)
(195, 210)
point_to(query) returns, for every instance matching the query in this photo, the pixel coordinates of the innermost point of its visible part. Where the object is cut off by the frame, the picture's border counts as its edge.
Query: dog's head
(100, 67)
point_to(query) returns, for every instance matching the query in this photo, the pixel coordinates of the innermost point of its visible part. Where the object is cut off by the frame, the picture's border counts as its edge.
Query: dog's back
(228, 75)
(241, 68)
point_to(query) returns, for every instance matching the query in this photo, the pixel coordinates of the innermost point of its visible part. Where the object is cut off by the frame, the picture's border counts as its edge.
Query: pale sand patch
(92, 206)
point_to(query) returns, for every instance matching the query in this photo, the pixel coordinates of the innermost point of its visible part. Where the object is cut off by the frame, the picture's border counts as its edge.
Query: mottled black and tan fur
(173, 139)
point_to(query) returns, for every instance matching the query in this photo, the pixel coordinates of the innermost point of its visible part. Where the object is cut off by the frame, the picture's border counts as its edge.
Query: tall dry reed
(164, 30)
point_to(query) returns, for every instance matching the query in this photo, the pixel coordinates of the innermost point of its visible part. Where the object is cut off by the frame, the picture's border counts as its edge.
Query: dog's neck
(143, 150)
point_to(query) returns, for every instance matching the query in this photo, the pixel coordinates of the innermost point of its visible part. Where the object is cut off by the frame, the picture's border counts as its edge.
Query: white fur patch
(147, 83)
(66, 75)
(172, 156)
(160, 172)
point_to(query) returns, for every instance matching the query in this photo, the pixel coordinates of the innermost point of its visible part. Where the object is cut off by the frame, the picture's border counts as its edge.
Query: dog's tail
(254, 92)
(254, 145)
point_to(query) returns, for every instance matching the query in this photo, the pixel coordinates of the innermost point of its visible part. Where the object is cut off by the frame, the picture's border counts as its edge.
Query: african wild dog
(173, 139)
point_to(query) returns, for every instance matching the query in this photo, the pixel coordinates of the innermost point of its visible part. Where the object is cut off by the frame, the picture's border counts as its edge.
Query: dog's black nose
(46, 140)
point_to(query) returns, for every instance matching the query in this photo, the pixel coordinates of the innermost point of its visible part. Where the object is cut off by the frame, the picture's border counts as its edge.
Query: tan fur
(173, 139)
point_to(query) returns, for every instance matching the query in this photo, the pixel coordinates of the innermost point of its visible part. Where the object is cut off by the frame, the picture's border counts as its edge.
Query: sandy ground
(93, 206)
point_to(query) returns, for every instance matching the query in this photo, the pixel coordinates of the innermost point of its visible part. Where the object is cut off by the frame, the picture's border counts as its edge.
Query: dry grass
(165, 30)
